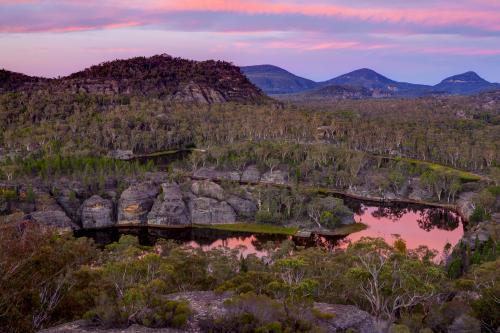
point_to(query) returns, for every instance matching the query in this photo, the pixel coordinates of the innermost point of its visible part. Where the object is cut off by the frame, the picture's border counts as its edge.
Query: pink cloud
(429, 16)
(70, 28)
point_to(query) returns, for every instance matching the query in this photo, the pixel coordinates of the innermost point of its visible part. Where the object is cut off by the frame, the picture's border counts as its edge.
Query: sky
(414, 41)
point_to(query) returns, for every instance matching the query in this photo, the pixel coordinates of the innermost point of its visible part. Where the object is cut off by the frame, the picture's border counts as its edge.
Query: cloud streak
(36, 16)
(295, 33)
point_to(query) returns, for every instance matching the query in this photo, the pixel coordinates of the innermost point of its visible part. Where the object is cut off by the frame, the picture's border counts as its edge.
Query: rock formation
(135, 203)
(210, 211)
(96, 212)
(169, 208)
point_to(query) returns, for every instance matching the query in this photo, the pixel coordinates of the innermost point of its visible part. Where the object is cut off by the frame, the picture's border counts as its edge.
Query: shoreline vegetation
(251, 228)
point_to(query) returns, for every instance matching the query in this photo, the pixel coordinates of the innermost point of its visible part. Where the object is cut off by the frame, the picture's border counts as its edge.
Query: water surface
(417, 225)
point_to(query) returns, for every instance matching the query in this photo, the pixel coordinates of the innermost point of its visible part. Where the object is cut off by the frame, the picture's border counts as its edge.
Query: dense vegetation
(446, 131)
(49, 278)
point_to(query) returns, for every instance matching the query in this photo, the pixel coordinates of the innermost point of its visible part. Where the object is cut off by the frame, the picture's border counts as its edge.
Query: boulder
(206, 188)
(53, 218)
(121, 154)
(136, 202)
(251, 174)
(210, 211)
(96, 212)
(275, 177)
(169, 208)
(243, 207)
(69, 202)
(346, 318)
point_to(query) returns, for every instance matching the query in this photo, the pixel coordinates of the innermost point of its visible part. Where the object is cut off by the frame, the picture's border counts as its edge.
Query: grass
(463, 175)
(348, 229)
(252, 228)
(279, 230)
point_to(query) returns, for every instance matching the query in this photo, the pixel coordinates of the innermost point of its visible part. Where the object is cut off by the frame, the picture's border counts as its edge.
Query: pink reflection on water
(408, 228)
(247, 245)
(424, 226)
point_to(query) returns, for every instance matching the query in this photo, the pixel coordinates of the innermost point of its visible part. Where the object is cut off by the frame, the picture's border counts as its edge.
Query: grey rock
(243, 207)
(121, 154)
(480, 233)
(465, 204)
(251, 174)
(169, 208)
(83, 326)
(465, 324)
(275, 177)
(346, 317)
(210, 211)
(96, 212)
(69, 202)
(206, 188)
(136, 202)
(53, 218)
(212, 174)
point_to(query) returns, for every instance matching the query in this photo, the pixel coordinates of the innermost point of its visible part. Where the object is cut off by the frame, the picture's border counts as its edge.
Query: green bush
(264, 216)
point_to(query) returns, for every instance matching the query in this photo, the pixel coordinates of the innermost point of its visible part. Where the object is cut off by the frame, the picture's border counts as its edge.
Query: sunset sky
(417, 41)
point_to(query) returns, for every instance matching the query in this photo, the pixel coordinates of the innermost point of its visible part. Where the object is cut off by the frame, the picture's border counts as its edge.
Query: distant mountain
(466, 84)
(160, 76)
(275, 80)
(379, 84)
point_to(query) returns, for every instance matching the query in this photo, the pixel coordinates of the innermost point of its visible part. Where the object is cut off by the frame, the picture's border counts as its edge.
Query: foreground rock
(169, 208)
(97, 212)
(207, 304)
(206, 188)
(345, 318)
(82, 326)
(136, 202)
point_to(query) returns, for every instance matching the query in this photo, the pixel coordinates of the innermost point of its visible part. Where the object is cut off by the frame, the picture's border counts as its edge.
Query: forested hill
(12, 81)
(160, 76)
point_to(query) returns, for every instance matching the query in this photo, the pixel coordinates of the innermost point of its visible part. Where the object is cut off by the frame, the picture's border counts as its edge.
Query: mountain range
(274, 80)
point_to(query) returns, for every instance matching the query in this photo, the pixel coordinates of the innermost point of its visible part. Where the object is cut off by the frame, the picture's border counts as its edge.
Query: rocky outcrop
(481, 232)
(69, 202)
(136, 202)
(169, 208)
(206, 188)
(345, 318)
(210, 211)
(83, 326)
(242, 207)
(275, 177)
(120, 154)
(211, 173)
(251, 174)
(96, 212)
(465, 204)
(208, 305)
(49, 213)
(53, 218)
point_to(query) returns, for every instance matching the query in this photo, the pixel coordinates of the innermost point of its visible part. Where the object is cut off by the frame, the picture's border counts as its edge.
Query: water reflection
(417, 225)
